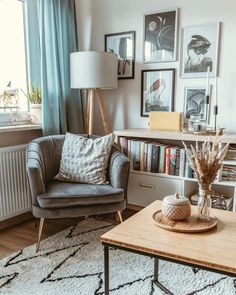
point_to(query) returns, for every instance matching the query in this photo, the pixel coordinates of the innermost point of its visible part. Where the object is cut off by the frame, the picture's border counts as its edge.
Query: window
(13, 82)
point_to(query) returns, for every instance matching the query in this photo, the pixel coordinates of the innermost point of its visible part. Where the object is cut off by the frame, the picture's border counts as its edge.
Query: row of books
(228, 172)
(156, 157)
(219, 201)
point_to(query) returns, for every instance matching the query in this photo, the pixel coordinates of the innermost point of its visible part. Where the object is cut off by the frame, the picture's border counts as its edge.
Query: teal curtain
(52, 24)
(32, 43)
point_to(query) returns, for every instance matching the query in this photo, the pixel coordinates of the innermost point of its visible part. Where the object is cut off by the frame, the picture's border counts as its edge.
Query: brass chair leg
(120, 216)
(35, 222)
(39, 233)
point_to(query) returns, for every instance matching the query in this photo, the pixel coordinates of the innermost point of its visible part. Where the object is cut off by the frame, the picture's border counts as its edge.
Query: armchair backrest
(45, 152)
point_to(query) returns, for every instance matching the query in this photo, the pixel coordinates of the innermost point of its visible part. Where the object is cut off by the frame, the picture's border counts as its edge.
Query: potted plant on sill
(34, 97)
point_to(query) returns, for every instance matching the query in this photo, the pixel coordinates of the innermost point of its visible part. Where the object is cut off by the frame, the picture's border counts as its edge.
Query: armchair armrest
(118, 171)
(35, 175)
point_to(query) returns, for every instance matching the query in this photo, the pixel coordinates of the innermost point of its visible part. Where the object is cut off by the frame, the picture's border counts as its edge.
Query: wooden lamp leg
(39, 233)
(105, 120)
(91, 110)
(87, 112)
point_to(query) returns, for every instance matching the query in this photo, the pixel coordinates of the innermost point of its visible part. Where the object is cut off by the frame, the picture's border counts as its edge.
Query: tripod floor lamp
(94, 71)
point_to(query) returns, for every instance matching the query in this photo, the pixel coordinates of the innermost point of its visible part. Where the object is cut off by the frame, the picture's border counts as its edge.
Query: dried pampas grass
(206, 160)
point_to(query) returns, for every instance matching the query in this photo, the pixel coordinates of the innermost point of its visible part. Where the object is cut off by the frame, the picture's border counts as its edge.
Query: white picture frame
(160, 32)
(199, 50)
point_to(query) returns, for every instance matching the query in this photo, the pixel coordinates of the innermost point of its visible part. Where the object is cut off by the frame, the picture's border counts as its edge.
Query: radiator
(14, 190)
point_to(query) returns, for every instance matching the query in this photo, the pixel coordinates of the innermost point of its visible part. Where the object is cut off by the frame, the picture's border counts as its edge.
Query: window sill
(19, 128)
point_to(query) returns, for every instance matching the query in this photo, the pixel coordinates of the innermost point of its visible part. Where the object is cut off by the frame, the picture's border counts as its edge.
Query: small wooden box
(165, 121)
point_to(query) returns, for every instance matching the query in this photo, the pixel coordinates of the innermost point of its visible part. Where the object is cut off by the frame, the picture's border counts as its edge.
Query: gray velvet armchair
(56, 199)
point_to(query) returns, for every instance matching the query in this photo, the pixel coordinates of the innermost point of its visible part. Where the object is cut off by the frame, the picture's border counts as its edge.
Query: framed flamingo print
(157, 91)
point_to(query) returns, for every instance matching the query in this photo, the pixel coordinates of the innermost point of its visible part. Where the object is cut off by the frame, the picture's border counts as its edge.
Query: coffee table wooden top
(215, 249)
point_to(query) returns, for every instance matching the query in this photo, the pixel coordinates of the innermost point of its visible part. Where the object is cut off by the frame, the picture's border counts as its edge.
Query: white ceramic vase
(36, 112)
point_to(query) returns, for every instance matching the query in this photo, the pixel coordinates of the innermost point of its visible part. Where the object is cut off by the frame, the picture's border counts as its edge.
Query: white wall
(98, 17)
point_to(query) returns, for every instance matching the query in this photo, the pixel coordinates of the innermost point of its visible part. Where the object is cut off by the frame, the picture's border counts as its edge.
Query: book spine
(149, 157)
(136, 155)
(164, 164)
(227, 173)
(172, 161)
(225, 178)
(125, 146)
(155, 158)
(219, 174)
(145, 156)
(177, 163)
(142, 156)
(121, 144)
(130, 156)
(162, 159)
(182, 163)
(167, 158)
(188, 169)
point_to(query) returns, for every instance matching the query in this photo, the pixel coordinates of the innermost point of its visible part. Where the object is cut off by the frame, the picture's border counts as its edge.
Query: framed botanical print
(194, 102)
(123, 44)
(157, 91)
(160, 36)
(199, 52)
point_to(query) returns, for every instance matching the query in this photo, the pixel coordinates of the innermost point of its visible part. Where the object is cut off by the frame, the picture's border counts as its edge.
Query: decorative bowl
(176, 207)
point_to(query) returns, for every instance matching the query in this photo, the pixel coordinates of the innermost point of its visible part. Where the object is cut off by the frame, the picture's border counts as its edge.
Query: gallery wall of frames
(170, 58)
(199, 55)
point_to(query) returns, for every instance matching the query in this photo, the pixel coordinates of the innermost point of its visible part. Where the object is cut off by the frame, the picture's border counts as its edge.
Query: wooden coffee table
(214, 250)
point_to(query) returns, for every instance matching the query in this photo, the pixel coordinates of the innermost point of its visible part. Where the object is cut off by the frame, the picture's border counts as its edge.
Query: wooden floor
(24, 234)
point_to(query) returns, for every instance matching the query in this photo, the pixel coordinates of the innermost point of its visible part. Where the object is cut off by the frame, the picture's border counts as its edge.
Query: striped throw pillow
(85, 160)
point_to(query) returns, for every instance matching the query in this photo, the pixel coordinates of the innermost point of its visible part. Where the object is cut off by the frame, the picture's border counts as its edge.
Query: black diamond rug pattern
(71, 262)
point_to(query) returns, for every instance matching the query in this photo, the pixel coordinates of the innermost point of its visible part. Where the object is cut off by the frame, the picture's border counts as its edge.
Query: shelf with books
(228, 171)
(155, 157)
(171, 135)
(158, 160)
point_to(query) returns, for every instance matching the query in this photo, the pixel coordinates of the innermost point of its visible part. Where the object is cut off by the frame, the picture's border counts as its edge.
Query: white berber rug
(71, 262)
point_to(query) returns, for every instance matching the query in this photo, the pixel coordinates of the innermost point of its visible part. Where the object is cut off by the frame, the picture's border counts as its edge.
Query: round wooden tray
(190, 225)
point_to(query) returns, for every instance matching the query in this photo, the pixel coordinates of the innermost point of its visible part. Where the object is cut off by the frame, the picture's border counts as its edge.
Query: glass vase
(204, 204)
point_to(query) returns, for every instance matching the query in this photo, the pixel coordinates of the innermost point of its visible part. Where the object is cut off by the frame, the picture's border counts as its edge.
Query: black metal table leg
(156, 269)
(106, 270)
(155, 278)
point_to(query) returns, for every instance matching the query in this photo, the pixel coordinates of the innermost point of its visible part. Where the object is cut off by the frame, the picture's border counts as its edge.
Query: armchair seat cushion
(64, 194)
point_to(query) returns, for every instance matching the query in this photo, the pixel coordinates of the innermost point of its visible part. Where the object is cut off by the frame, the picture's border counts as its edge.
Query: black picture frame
(157, 90)
(123, 44)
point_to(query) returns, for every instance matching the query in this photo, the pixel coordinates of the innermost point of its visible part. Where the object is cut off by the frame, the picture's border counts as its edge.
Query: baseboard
(15, 220)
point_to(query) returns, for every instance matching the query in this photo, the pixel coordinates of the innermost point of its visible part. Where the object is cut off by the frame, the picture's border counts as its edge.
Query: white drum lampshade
(92, 69)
